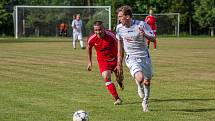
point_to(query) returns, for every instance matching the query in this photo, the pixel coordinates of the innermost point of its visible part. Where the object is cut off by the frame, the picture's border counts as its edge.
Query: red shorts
(107, 65)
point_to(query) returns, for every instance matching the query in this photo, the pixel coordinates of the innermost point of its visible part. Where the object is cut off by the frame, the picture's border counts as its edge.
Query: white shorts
(136, 64)
(77, 36)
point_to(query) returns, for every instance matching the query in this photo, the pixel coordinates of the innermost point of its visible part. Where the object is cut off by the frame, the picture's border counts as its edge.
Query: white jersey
(134, 43)
(78, 25)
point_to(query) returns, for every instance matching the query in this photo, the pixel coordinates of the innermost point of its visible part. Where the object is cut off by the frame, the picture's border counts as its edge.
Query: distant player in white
(132, 36)
(77, 32)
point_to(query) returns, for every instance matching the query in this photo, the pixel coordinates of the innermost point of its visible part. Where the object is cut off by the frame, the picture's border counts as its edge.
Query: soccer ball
(80, 115)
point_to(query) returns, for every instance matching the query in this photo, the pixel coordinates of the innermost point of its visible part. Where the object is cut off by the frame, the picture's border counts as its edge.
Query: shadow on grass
(132, 103)
(186, 100)
(169, 100)
(195, 110)
(176, 100)
(185, 110)
(181, 100)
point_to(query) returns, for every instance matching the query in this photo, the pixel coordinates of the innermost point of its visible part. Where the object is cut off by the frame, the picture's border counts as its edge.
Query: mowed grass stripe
(45, 79)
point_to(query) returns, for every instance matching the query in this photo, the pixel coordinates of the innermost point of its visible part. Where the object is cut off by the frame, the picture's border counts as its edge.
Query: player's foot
(82, 47)
(155, 48)
(118, 102)
(145, 107)
(140, 90)
(74, 48)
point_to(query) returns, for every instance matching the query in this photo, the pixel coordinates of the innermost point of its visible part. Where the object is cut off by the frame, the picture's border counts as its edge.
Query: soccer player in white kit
(77, 32)
(132, 35)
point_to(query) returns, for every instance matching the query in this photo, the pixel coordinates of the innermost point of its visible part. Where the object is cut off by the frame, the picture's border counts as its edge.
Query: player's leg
(110, 86)
(74, 40)
(140, 69)
(139, 81)
(146, 87)
(106, 69)
(148, 72)
(60, 32)
(148, 43)
(65, 33)
(155, 42)
(80, 38)
(136, 72)
(143, 89)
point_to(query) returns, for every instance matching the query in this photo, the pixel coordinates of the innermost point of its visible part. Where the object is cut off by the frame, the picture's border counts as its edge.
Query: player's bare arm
(120, 57)
(89, 52)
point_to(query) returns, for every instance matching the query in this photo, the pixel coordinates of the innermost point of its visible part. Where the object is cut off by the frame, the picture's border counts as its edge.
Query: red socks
(155, 44)
(111, 87)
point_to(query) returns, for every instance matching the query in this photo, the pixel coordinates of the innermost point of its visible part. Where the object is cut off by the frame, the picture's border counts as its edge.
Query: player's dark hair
(98, 23)
(126, 10)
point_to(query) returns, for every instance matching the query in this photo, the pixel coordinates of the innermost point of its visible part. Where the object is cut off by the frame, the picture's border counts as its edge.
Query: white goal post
(42, 20)
(167, 23)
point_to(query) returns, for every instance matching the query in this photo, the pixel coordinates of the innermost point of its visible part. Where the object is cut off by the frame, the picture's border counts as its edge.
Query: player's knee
(107, 79)
(139, 76)
(146, 82)
(106, 75)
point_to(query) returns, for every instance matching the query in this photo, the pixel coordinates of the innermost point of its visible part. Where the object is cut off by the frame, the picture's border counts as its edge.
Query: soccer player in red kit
(105, 44)
(151, 20)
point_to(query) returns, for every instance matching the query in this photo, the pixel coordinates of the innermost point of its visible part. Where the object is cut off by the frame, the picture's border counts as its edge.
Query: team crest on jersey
(129, 39)
(131, 36)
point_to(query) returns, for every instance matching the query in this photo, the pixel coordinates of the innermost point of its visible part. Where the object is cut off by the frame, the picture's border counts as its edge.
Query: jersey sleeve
(111, 33)
(73, 23)
(147, 29)
(90, 40)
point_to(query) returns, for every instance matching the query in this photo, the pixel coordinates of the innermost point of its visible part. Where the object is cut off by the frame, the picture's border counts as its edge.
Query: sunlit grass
(46, 80)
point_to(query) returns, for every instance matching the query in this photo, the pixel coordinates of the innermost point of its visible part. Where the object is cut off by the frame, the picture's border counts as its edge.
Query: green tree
(205, 13)
(4, 15)
(6, 19)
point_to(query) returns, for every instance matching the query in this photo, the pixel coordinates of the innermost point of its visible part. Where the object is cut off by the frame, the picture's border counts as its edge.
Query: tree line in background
(197, 17)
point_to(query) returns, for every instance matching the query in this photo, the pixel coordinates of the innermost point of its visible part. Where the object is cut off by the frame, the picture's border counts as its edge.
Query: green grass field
(46, 80)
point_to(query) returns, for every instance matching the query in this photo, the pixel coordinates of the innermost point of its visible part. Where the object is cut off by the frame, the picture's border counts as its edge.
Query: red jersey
(151, 20)
(62, 26)
(106, 47)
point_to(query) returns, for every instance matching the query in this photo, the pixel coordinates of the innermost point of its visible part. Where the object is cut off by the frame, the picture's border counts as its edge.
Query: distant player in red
(105, 44)
(63, 29)
(151, 20)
